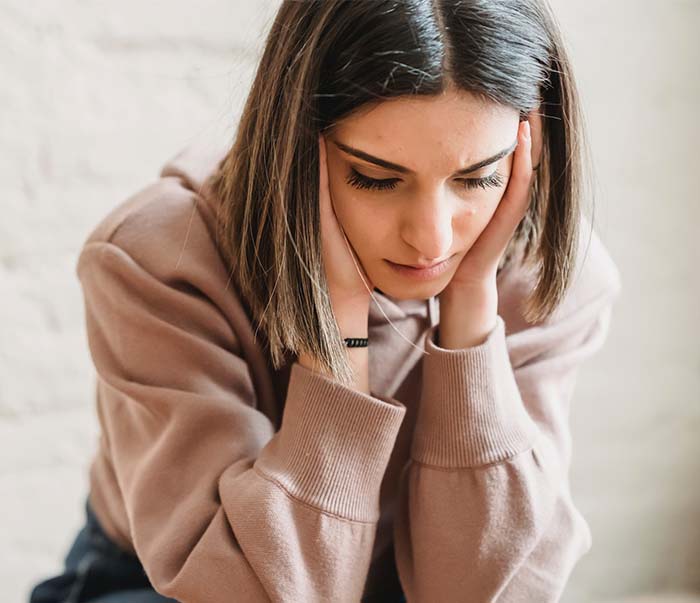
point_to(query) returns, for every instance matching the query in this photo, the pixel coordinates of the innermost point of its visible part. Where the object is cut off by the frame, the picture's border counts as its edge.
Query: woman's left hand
(469, 303)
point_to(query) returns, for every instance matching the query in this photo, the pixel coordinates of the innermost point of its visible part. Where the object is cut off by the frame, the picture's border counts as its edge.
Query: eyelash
(360, 181)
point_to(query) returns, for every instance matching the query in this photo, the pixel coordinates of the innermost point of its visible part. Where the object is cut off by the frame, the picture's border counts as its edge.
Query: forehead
(425, 132)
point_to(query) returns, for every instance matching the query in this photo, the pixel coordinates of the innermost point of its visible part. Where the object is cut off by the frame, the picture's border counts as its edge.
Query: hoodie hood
(196, 162)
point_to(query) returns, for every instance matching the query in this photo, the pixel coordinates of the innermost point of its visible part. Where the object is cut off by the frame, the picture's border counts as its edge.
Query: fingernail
(526, 130)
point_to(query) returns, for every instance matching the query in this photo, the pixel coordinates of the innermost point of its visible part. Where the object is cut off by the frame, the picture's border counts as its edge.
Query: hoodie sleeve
(221, 507)
(484, 501)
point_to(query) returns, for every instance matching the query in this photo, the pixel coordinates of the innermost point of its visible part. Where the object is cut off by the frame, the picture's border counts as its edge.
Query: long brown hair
(325, 59)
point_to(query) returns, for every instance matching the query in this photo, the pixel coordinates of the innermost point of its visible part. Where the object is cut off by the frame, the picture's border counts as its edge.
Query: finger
(337, 246)
(334, 252)
(519, 194)
(328, 220)
(322, 172)
(513, 205)
(535, 119)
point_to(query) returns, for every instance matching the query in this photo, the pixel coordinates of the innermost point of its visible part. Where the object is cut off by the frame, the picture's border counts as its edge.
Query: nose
(426, 225)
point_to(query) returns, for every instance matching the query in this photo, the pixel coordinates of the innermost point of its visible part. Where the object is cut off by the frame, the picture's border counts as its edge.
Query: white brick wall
(95, 96)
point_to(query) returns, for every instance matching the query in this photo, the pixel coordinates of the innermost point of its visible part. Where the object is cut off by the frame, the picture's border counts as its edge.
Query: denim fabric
(97, 570)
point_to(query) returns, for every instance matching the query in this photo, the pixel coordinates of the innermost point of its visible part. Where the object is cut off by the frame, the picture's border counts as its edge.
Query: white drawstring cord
(359, 271)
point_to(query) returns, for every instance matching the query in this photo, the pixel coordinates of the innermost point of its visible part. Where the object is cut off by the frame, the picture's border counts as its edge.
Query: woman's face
(428, 211)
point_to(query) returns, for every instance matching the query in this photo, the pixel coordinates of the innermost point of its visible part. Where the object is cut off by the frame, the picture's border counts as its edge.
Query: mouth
(421, 267)
(421, 273)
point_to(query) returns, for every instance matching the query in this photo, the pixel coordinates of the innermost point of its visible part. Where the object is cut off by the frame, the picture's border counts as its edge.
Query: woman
(289, 411)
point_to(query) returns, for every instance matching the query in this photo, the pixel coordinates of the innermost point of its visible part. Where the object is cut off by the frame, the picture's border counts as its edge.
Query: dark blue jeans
(97, 570)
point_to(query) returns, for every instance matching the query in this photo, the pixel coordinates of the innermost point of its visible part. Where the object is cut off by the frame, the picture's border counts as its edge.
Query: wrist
(352, 318)
(466, 321)
(358, 358)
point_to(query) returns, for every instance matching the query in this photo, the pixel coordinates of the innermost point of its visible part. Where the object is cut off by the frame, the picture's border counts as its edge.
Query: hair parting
(325, 60)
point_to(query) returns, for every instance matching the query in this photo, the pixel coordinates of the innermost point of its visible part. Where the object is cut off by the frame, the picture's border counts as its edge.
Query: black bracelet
(356, 342)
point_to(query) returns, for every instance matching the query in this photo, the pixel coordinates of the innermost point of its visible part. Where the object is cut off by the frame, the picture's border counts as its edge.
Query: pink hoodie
(235, 482)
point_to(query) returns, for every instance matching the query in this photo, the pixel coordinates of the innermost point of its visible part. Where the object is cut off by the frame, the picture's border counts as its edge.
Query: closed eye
(494, 180)
(364, 182)
(360, 181)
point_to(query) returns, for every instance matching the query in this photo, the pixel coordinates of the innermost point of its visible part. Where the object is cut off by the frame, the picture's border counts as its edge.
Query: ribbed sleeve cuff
(333, 446)
(471, 412)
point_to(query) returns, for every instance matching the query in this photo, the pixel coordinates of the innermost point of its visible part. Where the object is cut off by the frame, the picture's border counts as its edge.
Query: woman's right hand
(349, 295)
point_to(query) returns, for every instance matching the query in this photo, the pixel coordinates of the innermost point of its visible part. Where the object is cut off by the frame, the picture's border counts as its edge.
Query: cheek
(478, 212)
(363, 223)
(472, 221)
(363, 218)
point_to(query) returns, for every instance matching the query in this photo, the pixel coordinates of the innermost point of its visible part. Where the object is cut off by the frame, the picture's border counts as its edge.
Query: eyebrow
(404, 170)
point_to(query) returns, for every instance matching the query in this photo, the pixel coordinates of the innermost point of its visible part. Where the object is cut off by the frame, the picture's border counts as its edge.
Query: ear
(535, 119)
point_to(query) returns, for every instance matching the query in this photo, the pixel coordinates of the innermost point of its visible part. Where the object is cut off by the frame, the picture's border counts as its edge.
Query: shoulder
(158, 247)
(167, 227)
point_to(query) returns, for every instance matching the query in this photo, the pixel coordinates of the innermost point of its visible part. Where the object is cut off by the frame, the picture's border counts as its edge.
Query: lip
(419, 267)
(421, 273)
